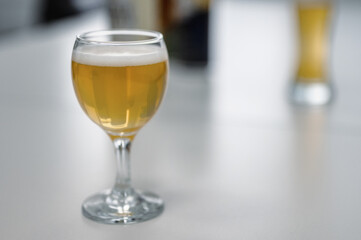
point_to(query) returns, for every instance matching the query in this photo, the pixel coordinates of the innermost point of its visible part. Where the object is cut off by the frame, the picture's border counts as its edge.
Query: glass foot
(122, 208)
(311, 94)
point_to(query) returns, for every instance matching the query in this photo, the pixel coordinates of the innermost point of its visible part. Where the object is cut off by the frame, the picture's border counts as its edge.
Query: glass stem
(122, 186)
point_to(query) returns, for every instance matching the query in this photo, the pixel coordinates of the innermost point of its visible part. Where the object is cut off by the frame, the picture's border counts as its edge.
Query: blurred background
(185, 22)
(230, 130)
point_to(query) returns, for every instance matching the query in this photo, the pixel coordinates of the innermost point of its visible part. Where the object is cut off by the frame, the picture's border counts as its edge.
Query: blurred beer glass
(312, 85)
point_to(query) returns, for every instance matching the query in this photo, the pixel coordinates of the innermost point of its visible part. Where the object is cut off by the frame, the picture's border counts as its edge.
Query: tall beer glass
(312, 85)
(119, 78)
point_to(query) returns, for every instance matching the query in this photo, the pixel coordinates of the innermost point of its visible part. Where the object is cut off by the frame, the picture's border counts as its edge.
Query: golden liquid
(120, 99)
(313, 23)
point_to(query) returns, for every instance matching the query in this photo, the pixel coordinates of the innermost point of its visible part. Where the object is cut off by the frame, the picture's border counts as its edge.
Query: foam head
(119, 56)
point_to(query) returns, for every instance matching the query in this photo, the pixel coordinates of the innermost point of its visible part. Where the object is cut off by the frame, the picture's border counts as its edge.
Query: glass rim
(154, 37)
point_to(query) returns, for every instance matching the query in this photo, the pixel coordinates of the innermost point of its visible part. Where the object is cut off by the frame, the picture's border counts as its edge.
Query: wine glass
(119, 78)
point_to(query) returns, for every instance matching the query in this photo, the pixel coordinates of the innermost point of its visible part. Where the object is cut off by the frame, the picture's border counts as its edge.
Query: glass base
(311, 94)
(122, 208)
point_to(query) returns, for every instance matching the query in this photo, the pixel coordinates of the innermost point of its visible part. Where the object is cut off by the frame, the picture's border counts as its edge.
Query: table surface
(231, 157)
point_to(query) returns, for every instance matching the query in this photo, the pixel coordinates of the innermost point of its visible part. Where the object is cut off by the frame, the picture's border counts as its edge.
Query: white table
(229, 155)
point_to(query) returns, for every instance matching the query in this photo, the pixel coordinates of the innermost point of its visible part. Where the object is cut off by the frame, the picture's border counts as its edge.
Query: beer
(119, 78)
(312, 85)
(314, 25)
(119, 87)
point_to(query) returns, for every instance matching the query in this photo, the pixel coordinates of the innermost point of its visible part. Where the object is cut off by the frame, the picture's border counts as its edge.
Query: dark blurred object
(183, 22)
(54, 10)
(188, 39)
(19, 14)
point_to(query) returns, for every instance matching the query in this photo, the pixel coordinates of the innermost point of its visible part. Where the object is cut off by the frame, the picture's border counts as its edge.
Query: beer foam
(119, 56)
